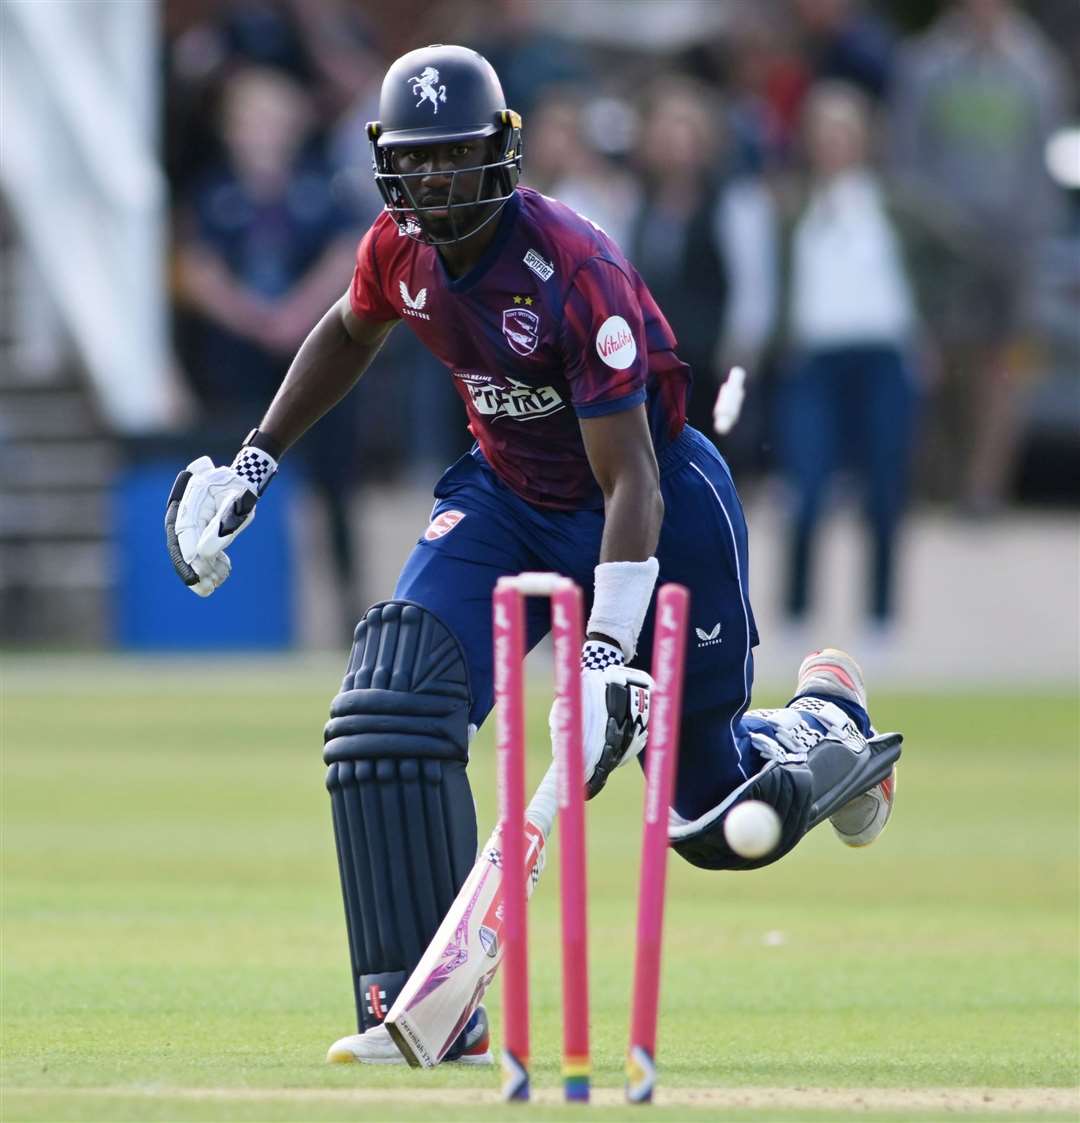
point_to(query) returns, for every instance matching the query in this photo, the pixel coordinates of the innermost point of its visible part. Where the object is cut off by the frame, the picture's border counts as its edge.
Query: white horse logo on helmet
(424, 84)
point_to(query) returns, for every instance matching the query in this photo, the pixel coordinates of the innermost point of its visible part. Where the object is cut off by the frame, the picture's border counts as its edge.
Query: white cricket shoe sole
(376, 1047)
(861, 820)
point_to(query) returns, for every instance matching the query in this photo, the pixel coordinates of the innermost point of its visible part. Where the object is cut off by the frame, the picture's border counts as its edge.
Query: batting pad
(803, 794)
(404, 819)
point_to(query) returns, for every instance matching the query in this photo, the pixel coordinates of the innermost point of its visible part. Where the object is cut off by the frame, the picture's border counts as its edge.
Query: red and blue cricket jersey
(552, 324)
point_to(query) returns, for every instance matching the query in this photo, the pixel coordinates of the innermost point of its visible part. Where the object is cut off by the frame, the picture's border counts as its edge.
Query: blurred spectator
(701, 246)
(975, 101)
(672, 239)
(324, 47)
(264, 248)
(848, 43)
(847, 317)
(347, 143)
(690, 210)
(561, 162)
(529, 57)
(766, 83)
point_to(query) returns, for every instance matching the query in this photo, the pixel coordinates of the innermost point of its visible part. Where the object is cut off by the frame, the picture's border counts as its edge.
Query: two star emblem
(523, 300)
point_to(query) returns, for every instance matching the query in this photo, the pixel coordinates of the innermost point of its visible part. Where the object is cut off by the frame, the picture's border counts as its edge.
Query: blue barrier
(153, 610)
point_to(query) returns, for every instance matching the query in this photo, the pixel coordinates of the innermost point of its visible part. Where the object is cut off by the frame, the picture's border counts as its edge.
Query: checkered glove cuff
(598, 656)
(256, 467)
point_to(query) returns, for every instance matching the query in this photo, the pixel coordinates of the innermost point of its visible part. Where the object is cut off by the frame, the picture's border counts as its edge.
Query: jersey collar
(505, 228)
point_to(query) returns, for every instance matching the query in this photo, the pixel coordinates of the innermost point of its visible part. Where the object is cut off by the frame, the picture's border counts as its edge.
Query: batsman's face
(442, 175)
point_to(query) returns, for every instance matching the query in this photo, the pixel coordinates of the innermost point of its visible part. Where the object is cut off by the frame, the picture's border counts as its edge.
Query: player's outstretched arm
(615, 697)
(209, 506)
(620, 452)
(329, 363)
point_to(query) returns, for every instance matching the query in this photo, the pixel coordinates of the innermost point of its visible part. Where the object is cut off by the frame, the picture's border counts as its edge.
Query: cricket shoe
(473, 1046)
(376, 1046)
(863, 818)
(832, 672)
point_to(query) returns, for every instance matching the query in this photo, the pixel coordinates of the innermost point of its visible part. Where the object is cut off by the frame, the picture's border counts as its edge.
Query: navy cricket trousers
(481, 530)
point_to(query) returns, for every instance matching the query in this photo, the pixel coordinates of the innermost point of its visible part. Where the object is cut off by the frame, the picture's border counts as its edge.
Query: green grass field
(173, 941)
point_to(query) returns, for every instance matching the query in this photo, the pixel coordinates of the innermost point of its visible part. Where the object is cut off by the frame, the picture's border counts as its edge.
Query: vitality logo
(615, 343)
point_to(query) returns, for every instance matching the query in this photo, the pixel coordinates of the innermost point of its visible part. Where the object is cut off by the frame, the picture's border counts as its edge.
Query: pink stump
(509, 641)
(669, 656)
(566, 629)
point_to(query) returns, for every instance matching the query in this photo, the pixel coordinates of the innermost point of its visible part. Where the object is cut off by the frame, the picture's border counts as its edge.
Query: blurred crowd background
(872, 206)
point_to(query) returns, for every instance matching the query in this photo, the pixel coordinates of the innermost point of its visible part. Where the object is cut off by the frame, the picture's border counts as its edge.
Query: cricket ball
(752, 829)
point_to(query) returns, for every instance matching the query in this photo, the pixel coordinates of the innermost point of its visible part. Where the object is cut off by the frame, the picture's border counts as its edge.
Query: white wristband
(621, 595)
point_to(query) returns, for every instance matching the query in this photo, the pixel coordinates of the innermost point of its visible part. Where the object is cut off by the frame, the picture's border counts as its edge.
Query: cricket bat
(441, 994)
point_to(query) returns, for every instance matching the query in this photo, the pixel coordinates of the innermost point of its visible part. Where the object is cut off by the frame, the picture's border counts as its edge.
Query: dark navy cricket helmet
(440, 95)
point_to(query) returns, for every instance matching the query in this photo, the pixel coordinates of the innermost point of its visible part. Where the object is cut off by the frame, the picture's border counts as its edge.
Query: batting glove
(614, 713)
(207, 508)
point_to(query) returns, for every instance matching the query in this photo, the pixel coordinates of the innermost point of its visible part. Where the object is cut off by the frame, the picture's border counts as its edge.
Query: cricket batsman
(583, 465)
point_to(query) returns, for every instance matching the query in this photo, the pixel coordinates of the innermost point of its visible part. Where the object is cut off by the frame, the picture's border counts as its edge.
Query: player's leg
(404, 826)
(818, 759)
(455, 574)
(807, 760)
(703, 545)
(397, 881)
